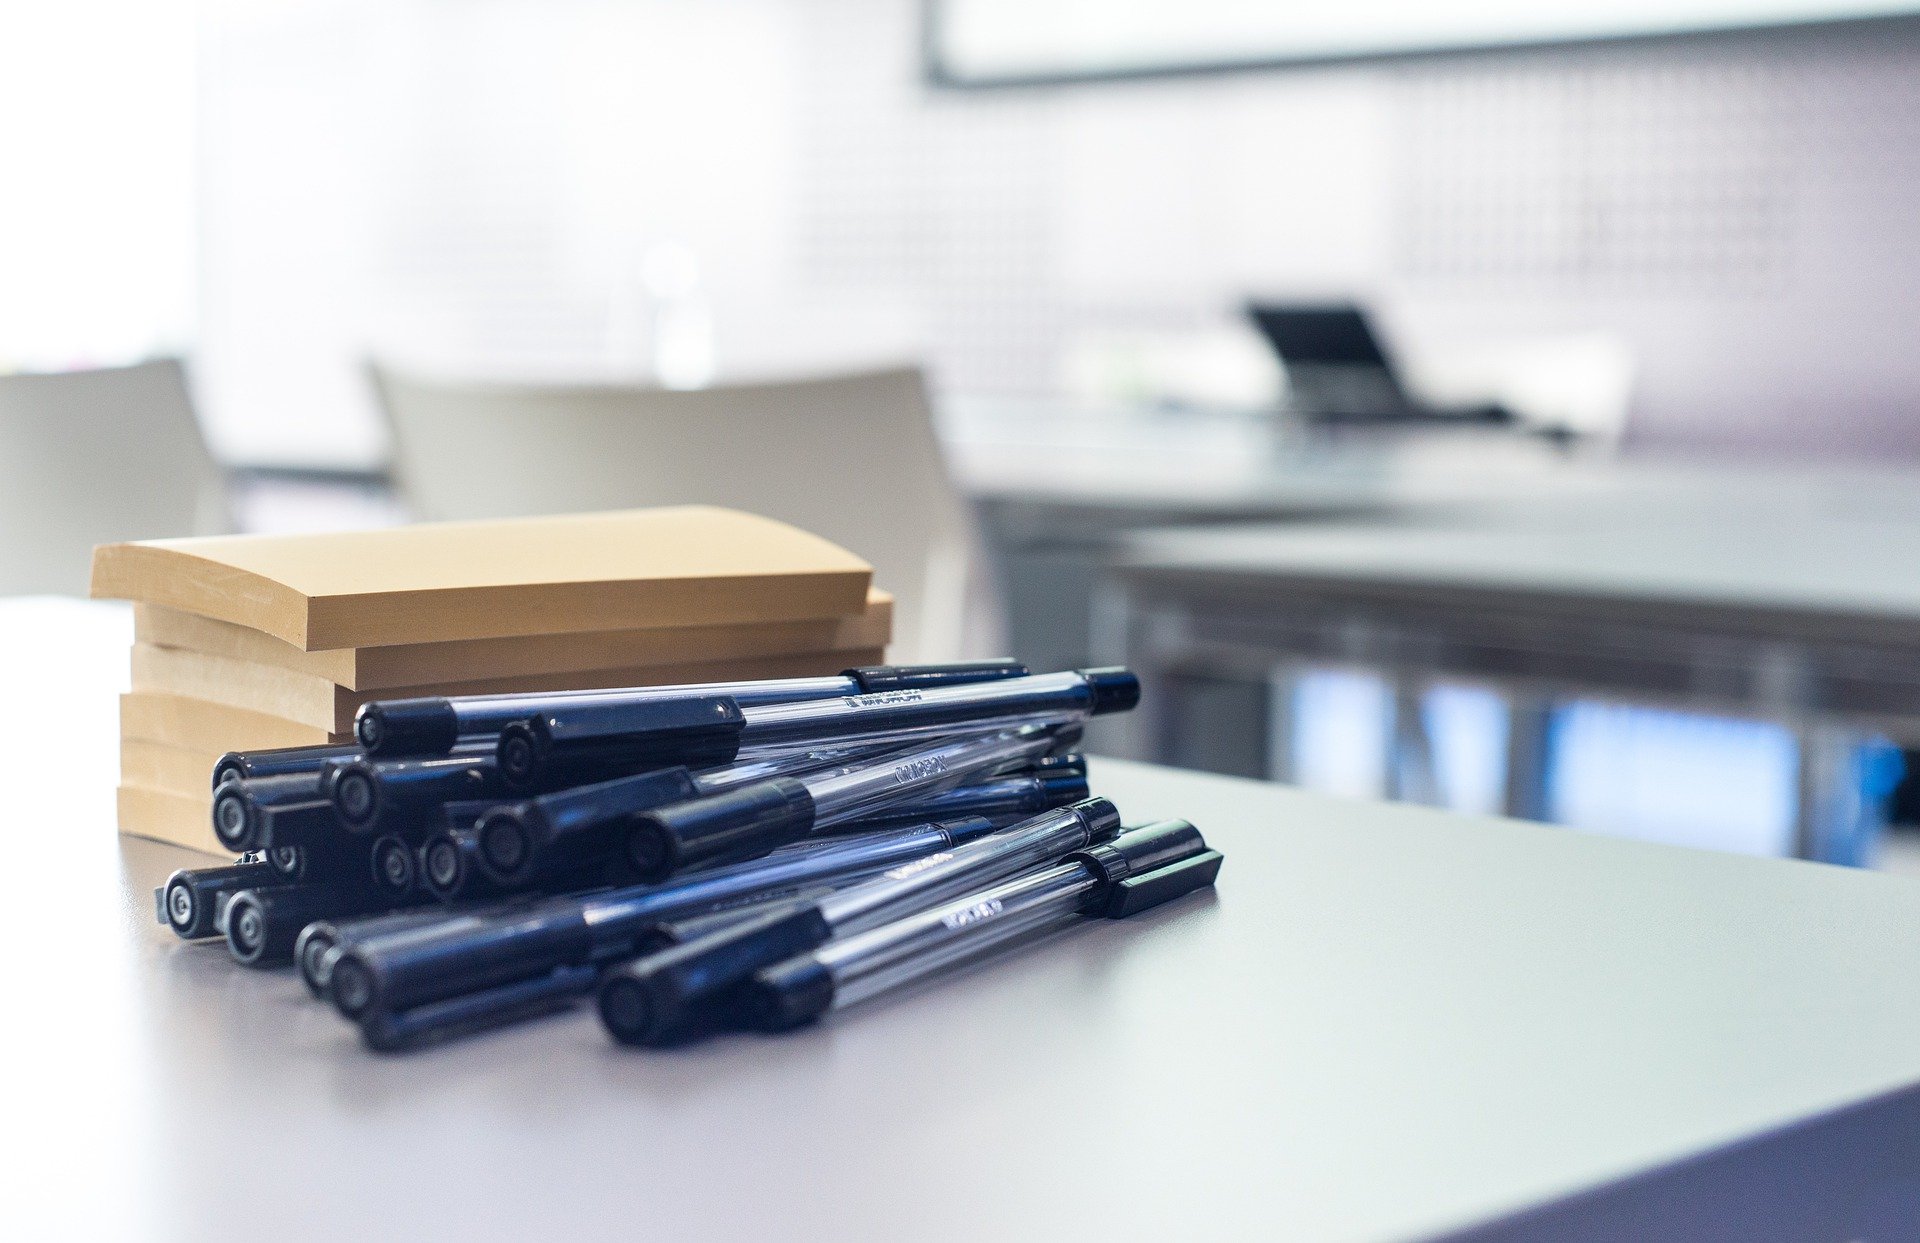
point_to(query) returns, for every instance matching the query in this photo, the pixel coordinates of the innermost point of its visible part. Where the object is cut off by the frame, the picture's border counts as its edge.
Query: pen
(1006, 797)
(241, 804)
(434, 1021)
(434, 725)
(755, 818)
(311, 948)
(193, 899)
(279, 762)
(396, 859)
(663, 997)
(523, 841)
(262, 924)
(369, 792)
(591, 741)
(488, 946)
(1139, 869)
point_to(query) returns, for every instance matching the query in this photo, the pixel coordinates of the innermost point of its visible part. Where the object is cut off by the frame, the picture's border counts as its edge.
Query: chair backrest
(852, 458)
(88, 457)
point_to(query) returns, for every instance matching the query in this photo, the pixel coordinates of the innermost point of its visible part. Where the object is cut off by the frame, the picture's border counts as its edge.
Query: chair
(852, 458)
(89, 457)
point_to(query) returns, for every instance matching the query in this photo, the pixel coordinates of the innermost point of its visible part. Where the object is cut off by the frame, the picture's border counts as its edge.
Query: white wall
(473, 186)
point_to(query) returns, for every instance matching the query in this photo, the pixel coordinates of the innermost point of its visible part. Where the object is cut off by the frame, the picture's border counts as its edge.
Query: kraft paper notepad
(689, 565)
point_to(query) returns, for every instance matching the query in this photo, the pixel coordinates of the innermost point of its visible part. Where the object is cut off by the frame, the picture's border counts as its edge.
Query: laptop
(1338, 372)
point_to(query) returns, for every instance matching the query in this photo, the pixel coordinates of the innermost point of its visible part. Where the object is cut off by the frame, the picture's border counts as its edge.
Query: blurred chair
(88, 457)
(852, 458)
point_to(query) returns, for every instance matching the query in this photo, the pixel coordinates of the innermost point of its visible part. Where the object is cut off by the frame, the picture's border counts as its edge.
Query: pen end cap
(1114, 689)
(1151, 889)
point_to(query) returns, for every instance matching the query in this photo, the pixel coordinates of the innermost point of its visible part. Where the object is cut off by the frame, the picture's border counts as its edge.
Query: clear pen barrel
(1056, 696)
(843, 795)
(479, 714)
(882, 957)
(916, 885)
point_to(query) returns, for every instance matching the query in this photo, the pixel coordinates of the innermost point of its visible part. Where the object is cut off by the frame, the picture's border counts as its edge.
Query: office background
(1706, 240)
(532, 189)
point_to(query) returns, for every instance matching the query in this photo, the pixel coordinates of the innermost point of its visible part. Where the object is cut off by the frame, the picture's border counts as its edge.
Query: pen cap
(664, 996)
(788, 994)
(426, 726)
(190, 901)
(278, 762)
(394, 867)
(1146, 866)
(366, 789)
(513, 836)
(876, 678)
(745, 821)
(310, 823)
(1059, 789)
(1113, 689)
(594, 742)
(262, 924)
(238, 805)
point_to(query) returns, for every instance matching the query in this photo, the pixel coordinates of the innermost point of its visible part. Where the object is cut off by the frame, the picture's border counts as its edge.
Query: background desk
(1790, 596)
(1389, 1023)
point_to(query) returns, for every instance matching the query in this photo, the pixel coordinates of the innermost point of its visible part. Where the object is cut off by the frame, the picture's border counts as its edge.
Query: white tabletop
(1802, 552)
(1386, 1023)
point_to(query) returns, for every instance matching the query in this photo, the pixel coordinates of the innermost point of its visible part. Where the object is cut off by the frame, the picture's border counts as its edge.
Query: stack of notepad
(251, 642)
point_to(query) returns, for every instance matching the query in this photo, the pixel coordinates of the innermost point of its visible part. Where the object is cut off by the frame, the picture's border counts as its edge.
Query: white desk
(1388, 1023)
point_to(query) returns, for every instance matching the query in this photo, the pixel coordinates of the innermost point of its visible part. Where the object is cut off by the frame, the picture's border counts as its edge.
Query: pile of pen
(705, 857)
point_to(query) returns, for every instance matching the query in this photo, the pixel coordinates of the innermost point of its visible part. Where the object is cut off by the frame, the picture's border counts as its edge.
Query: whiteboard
(984, 42)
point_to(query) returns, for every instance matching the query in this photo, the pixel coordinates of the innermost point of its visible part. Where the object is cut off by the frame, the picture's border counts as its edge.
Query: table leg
(1410, 769)
(1529, 725)
(1839, 819)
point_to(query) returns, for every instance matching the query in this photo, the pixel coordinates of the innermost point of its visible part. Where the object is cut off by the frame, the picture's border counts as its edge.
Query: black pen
(279, 762)
(262, 924)
(595, 741)
(522, 843)
(668, 995)
(241, 806)
(399, 795)
(1011, 798)
(437, 724)
(311, 949)
(194, 899)
(395, 861)
(488, 946)
(1139, 869)
(393, 1030)
(753, 819)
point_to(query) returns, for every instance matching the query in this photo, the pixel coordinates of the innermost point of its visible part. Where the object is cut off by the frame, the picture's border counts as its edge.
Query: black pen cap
(262, 924)
(677, 992)
(279, 761)
(751, 819)
(239, 806)
(518, 839)
(1149, 865)
(191, 900)
(364, 790)
(596, 741)
(1114, 689)
(876, 678)
(395, 867)
(787, 995)
(427, 726)
(1058, 789)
